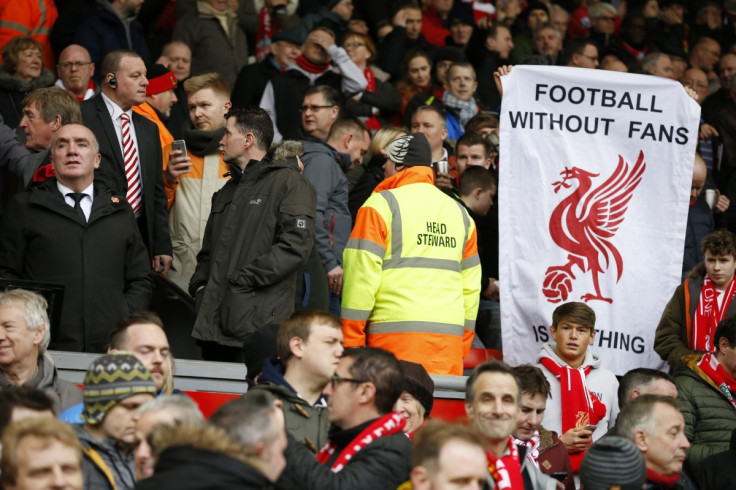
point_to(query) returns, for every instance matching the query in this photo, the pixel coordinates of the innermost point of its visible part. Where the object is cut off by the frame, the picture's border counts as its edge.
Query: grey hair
(34, 312)
(597, 10)
(186, 411)
(639, 414)
(248, 419)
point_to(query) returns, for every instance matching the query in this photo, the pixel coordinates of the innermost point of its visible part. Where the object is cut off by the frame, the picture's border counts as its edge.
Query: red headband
(165, 82)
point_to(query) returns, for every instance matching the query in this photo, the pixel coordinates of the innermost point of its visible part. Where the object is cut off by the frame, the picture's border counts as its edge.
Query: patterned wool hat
(613, 462)
(411, 150)
(111, 378)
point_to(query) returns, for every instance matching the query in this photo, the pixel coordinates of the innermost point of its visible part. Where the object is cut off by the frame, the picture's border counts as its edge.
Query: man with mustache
(654, 423)
(492, 402)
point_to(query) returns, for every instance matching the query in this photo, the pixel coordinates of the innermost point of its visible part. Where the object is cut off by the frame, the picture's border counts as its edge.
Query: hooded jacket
(259, 233)
(201, 458)
(600, 381)
(709, 416)
(306, 423)
(325, 168)
(99, 456)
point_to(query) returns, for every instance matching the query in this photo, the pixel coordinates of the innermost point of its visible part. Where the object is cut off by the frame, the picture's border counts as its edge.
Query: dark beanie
(613, 462)
(418, 384)
(411, 150)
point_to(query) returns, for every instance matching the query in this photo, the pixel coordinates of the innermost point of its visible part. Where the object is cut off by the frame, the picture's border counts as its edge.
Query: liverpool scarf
(533, 445)
(310, 67)
(713, 369)
(581, 406)
(709, 314)
(506, 470)
(390, 423)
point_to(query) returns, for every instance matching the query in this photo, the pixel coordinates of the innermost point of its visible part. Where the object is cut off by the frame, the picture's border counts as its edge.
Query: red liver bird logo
(585, 222)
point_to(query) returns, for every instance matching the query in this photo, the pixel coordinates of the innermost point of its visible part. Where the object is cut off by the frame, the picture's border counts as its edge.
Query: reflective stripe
(470, 262)
(417, 327)
(470, 325)
(353, 314)
(14, 25)
(423, 262)
(466, 222)
(367, 246)
(397, 238)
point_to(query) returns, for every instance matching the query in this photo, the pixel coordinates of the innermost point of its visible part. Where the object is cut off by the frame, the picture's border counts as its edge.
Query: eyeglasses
(74, 64)
(352, 45)
(609, 19)
(314, 108)
(336, 379)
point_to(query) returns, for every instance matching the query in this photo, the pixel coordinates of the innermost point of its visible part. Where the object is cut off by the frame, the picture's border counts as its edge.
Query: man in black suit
(139, 175)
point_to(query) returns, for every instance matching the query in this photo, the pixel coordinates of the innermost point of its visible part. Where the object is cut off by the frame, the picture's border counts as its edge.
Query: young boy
(700, 303)
(577, 381)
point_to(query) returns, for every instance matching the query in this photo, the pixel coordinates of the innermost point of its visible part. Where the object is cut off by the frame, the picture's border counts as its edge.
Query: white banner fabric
(594, 181)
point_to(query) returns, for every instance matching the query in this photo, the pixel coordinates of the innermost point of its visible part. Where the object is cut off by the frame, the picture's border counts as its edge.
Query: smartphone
(179, 145)
(591, 427)
(559, 475)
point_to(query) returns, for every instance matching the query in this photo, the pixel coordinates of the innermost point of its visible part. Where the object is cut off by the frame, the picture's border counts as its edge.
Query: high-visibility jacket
(32, 18)
(412, 274)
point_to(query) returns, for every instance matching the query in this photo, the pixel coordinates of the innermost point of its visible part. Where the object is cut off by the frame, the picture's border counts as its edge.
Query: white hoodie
(600, 381)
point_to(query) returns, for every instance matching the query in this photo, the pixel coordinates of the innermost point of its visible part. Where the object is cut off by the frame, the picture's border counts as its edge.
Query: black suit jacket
(111, 173)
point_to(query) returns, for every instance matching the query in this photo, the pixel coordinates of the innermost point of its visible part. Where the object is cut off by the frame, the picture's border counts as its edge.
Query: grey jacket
(121, 467)
(62, 392)
(324, 168)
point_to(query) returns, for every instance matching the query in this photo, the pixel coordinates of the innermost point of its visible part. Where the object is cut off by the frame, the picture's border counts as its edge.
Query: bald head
(700, 172)
(696, 79)
(75, 69)
(726, 70)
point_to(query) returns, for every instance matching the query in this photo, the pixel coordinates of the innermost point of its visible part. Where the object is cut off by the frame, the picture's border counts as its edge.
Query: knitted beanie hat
(613, 462)
(111, 378)
(411, 150)
(418, 384)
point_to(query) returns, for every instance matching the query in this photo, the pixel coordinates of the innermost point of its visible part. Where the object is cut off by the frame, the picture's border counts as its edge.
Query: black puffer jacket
(259, 233)
(13, 90)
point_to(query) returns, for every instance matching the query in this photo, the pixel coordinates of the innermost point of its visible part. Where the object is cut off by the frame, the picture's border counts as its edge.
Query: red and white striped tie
(132, 167)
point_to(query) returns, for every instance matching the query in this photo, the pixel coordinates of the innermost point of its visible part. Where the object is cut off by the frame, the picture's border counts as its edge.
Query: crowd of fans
(319, 177)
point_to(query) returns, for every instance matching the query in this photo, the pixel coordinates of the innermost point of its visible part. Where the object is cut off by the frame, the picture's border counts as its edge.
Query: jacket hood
(410, 175)
(273, 372)
(689, 367)
(548, 350)
(9, 82)
(342, 159)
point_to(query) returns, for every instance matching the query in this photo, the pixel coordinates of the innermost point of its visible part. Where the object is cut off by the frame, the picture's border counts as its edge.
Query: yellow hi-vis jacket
(412, 274)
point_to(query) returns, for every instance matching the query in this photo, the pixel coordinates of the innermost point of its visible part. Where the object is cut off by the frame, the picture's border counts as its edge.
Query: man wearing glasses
(366, 449)
(75, 70)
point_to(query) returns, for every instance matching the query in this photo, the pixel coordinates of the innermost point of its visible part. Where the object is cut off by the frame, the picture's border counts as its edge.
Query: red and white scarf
(581, 406)
(709, 314)
(268, 27)
(533, 445)
(713, 369)
(506, 470)
(387, 425)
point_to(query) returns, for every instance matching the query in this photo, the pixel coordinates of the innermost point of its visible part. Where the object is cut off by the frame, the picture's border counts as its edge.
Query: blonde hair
(383, 137)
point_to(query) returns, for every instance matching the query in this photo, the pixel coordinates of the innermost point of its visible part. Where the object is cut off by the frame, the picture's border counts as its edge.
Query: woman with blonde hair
(363, 179)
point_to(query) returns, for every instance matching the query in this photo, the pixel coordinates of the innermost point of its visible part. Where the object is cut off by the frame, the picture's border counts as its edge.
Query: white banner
(595, 172)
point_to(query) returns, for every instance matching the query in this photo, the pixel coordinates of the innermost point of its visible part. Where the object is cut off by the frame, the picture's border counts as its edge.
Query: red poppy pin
(115, 199)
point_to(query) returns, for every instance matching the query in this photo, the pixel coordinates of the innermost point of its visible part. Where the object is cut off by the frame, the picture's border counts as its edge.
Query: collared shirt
(115, 114)
(85, 203)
